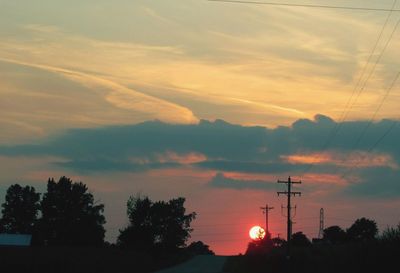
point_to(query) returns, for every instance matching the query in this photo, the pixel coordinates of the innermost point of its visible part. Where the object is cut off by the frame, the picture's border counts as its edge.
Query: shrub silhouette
(391, 235)
(199, 248)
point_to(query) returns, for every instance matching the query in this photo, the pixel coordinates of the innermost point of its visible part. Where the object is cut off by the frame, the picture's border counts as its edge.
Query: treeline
(68, 215)
(359, 248)
(363, 230)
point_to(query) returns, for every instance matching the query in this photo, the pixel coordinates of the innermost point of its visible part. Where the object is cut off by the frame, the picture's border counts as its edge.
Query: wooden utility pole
(289, 194)
(265, 210)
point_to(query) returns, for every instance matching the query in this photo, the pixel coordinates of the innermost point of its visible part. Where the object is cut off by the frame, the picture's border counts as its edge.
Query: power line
(383, 136)
(305, 5)
(217, 233)
(372, 148)
(350, 104)
(376, 110)
(364, 131)
(367, 126)
(341, 219)
(375, 64)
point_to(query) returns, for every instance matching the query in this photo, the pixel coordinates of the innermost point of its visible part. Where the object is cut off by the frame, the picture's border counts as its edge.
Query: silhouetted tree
(140, 234)
(199, 248)
(300, 239)
(159, 225)
(278, 242)
(20, 210)
(362, 230)
(335, 235)
(260, 246)
(70, 215)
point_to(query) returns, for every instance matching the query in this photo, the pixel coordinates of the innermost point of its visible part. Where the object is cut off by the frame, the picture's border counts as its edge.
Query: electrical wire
(382, 137)
(376, 111)
(305, 5)
(350, 103)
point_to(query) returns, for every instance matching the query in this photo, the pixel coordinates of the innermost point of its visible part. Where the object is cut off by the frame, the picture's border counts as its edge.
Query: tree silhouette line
(66, 220)
(68, 215)
(67, 210)
(363, 230)
(359, 248)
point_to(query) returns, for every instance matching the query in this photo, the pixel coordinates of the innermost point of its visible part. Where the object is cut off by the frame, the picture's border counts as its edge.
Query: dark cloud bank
(221, 181)
(225, 147)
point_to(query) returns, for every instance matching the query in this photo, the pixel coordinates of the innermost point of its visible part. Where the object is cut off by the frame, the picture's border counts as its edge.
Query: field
(82, 260)
(347, 258)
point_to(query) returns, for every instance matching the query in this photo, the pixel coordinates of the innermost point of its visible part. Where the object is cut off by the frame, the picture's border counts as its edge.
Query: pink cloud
(353, 159)
(188, 158)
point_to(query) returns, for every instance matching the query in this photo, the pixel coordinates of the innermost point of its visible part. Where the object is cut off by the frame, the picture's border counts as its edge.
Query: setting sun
(257, 233)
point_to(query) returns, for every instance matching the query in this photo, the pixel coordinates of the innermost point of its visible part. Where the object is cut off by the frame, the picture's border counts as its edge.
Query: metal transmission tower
(289, 194)
(265, 210)
(321, 223)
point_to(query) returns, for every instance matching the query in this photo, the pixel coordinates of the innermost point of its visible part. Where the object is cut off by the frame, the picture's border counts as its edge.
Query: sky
(207, 100)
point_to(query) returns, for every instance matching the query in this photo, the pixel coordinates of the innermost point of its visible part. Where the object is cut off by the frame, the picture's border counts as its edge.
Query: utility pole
(321, 223)
(265, 210)
(289, 193)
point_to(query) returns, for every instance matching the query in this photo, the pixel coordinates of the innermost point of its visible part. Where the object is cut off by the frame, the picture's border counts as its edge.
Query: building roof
(15, 239)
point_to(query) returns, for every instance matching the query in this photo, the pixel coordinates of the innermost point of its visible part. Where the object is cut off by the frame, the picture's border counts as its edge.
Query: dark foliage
(300, 239)
(391, 235)
(156, 226)
(20, 210)
(260, 246)
(199, 248)
(366, 257)
(278, 242)
(335, 235)
(364, 254)
(70, 215)
(140, 233)
(362, 230)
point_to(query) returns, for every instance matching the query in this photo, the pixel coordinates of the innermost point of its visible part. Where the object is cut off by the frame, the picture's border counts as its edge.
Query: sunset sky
(207, 100)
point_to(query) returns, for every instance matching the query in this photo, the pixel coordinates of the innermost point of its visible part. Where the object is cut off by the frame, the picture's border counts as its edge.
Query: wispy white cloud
(253, 66)
(122, 96)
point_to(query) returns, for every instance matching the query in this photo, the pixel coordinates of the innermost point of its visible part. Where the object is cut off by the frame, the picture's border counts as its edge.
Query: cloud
(249, 166)
(243, 64)
(222, 181)
(350, 159)
(315, 184)
(376, 183)
(107, 165)
(151, 139)
(120, 95)
(224, 147)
